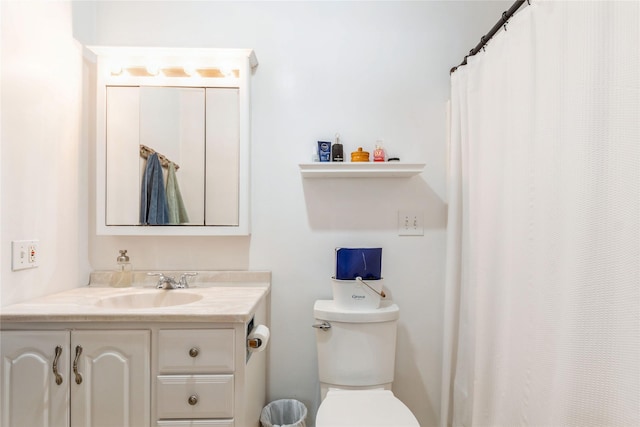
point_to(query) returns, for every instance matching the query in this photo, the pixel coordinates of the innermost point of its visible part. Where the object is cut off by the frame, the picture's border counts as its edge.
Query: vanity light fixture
(173, 71)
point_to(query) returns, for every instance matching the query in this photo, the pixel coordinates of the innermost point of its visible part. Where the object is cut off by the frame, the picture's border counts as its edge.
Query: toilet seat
(357, 408)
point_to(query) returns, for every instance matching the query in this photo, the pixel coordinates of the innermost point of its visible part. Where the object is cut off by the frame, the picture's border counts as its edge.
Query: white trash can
(284, 413)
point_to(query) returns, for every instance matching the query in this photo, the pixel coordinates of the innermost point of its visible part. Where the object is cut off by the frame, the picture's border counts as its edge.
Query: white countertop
(221, 302)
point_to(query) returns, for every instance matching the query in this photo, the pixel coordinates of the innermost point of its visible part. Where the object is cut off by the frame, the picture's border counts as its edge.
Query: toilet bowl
(356, 360)
(364, 408)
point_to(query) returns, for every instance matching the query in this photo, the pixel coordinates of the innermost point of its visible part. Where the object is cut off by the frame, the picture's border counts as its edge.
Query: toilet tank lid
(327, 310)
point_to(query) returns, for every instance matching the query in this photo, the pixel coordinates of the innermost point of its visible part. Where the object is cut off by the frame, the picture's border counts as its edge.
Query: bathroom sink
(162, 298)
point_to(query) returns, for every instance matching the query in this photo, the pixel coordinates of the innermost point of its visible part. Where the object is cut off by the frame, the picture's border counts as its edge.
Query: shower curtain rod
(484, 39)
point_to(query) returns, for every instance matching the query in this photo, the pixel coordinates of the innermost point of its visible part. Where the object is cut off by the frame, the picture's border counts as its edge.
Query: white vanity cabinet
(186, 364)
(75, 378)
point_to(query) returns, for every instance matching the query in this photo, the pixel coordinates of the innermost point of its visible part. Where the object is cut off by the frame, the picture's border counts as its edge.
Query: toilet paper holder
(254, 342)
(258, 338)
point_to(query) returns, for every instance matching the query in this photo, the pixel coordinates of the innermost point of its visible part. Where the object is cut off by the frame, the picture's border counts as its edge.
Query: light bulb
(226, 71)
(153, 69)
(189, 70)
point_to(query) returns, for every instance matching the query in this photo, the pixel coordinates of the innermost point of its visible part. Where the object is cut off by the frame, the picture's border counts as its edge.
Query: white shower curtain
(543, 282)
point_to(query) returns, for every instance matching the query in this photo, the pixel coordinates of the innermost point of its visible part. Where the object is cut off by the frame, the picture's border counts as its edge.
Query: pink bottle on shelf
(378, 154)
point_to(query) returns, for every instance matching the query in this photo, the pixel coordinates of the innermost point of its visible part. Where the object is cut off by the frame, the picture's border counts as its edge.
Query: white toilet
(356, 358)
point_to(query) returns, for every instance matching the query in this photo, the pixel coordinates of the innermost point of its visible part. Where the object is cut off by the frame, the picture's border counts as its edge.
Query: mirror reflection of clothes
(177, 211)
(153, 201)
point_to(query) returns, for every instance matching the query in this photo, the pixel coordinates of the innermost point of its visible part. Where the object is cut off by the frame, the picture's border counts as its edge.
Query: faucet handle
(162, 280)
(155, 273)
(183, 278)
(162, 276)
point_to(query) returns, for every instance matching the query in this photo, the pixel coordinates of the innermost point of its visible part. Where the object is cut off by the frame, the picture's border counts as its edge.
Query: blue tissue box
(358, 262)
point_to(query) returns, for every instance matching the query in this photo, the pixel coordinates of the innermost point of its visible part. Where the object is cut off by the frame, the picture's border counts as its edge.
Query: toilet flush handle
(324, 326)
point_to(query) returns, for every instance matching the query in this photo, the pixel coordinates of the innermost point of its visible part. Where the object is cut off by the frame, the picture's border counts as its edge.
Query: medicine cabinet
(190, 109)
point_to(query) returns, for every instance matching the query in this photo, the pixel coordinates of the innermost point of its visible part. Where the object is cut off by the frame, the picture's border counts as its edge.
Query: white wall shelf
(360, 169)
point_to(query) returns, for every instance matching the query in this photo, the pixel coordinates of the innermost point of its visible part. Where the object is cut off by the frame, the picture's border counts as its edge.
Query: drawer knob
(193, 399)
(193, 352)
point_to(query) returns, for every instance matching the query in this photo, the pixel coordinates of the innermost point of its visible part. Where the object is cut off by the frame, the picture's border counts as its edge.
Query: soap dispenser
(122, 277)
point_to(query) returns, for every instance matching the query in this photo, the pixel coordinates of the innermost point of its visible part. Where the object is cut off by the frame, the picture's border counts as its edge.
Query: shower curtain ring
(482, 41)
(504, 19)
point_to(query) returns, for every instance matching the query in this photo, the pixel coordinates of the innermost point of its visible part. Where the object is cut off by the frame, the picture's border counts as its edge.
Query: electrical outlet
(33, 253)
(410, 223)
(24, 254)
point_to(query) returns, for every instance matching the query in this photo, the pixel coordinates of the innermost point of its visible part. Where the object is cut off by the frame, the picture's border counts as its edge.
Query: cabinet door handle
(75, 365)
(55, 365)
(193, 399)
(193, 352)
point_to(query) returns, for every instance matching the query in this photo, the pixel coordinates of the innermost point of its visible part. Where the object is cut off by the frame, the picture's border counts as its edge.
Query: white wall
(44, 169)
(365, 69)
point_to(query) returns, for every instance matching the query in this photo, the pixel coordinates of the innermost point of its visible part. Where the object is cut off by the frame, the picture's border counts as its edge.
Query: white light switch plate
(410, 223)
(24, 254)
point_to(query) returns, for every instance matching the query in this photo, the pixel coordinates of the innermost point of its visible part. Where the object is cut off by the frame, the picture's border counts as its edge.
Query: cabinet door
(31, 395)
(169, 120)
(222, 198)
(113, 371)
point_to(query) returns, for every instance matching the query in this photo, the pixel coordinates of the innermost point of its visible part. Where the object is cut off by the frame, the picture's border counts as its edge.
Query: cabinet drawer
(212, 394)
(195, 423)
(195, 351)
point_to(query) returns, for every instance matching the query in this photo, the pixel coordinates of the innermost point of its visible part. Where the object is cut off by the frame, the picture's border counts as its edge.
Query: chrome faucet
(168, 282)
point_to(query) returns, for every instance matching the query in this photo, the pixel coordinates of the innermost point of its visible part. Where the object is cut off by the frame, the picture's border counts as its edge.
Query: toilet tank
(359, 347)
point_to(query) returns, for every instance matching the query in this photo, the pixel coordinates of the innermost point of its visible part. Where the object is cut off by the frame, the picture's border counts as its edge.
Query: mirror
(173, 144)
(181, 125)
